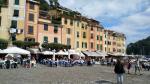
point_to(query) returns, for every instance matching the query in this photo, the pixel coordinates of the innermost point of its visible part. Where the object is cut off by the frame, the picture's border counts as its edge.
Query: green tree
(24, 44)
(3, 44)
(139, 47)
(55, 46)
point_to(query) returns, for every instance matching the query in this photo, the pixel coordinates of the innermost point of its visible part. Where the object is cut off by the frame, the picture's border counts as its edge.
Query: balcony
(56, 20)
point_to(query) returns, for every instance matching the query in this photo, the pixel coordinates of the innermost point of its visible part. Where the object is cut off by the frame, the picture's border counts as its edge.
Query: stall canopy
(47, 52)
(61, 53)
(1, 51)
(15, 50)
(103, 54)
(34, 50)
(92, 54)
(81, 54)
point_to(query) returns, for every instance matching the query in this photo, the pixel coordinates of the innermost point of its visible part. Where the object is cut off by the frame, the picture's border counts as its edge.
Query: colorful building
(31, 21)
(25, 21)
(48, 32)
(4, 21)
(114, 42)
(13, 20)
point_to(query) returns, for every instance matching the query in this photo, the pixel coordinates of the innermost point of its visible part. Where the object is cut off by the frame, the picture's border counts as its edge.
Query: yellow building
(13, 20)
(4, 21)
(114, 42)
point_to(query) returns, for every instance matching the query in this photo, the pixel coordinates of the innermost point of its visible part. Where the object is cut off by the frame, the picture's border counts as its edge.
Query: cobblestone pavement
(96, 74)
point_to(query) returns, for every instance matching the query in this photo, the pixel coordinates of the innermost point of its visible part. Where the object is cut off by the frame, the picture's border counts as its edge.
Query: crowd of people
(121, 66)
(15, 62)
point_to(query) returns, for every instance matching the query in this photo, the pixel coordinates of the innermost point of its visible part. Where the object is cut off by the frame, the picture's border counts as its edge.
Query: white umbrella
(47, 53)
(15, 50)
(1, 51)
(62, 53)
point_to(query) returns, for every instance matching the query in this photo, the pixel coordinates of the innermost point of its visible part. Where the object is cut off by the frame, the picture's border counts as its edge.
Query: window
(84, 34)
(30, 39)
(77, 44)
(97, 37)
(91, 36)
(105, 49)
(105, 36)
(13, 24)
(84, 45)
(97, 46)
(31, 17)
(45, 39)
(55, 29)
(105, 42)
(98, 29)
(91, 28)
(101, 47)
(109, 43)
(16, 2)
(68, 31)
(91, 45)
(0, 20)
(30, 30)
(68, 41)
(86, 26)
(46, 27)
(78, 35)
(65, 21)
(55, 40)
(71, 22)
(101, 38)
(16, 13)
(32, 6)
(114, 50)
(82, 25)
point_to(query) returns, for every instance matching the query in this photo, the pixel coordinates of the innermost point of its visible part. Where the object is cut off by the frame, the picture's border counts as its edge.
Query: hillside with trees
(141, 47)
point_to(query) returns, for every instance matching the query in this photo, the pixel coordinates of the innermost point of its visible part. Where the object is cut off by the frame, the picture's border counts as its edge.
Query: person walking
(129, 66)
(137, 66)
(119, 70)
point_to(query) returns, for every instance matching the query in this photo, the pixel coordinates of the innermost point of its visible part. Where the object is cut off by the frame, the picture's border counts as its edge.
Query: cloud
(106, 8)
(131, 17)
(136, 26)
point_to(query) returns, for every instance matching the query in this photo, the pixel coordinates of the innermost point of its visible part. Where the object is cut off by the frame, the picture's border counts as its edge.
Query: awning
(73, 52)
(92, 54)
(103, 54)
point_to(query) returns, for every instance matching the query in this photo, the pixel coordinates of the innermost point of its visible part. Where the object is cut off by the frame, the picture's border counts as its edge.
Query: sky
(131, 17)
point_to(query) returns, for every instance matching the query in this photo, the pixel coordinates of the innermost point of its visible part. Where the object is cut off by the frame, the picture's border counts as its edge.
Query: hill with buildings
(139, 47)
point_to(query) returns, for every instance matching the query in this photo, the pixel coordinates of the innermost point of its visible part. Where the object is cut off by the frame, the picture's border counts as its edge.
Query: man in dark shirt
(119, 70)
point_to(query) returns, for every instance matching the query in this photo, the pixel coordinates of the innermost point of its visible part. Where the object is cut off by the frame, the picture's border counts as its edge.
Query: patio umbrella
(1, 51)
(16, 50)
(47, 53)
(62, 53)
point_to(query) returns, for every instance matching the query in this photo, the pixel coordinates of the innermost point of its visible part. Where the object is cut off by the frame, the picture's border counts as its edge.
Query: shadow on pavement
(103, 82)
